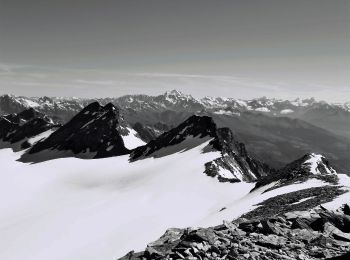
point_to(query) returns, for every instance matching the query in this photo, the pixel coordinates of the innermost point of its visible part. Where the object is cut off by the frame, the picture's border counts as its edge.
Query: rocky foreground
(312, 234)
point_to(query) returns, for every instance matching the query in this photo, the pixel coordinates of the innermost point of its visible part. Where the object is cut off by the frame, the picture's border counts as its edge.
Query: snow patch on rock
(131, 140)
(315, 161)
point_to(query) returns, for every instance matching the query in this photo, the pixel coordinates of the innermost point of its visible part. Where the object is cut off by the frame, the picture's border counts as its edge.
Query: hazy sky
(246, 48)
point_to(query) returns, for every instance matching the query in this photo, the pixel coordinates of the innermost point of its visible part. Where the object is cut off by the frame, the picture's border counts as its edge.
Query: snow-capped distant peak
(174, 92)
(174, 96)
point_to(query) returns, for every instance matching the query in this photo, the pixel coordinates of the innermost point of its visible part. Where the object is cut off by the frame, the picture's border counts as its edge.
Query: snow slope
(75, 209)
(344, 180)
(71, 208)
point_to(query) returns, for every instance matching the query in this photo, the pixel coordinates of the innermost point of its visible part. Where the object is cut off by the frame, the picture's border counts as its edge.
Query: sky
(233, 48)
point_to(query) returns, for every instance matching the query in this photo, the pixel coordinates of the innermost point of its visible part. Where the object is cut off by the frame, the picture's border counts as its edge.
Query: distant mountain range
(317, 112)
(274, 131)
(100, 131)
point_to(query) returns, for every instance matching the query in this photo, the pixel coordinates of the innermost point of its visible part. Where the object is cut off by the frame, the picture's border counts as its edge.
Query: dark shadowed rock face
(149, 132)
(312, 234)
(93, 130)
(234, 160)
(28, 123)
(24, 116)
(195, 126)
(309, 166)
(146, 133)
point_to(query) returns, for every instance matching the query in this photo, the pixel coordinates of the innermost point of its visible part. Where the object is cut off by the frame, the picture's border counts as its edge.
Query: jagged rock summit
(93, 133)
(195, 129)
(18, 128)
(311, 163)
(310, 166)
(233, 164)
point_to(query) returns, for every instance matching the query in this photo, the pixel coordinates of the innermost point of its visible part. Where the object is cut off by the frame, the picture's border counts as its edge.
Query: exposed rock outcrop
(309, 166)
(18, 128)
(234, 164)
(313, 234)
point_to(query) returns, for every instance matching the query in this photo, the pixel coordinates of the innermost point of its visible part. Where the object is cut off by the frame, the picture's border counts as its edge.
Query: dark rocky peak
(24, 116)
(94, 113)
(30, 129)
(310, 163)
(310, 166)
(197, 127)
(92, 133)
(233, 163)
(110, 107)
(30, 114)
(18, 119)
(24, 125)
(93, 107)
